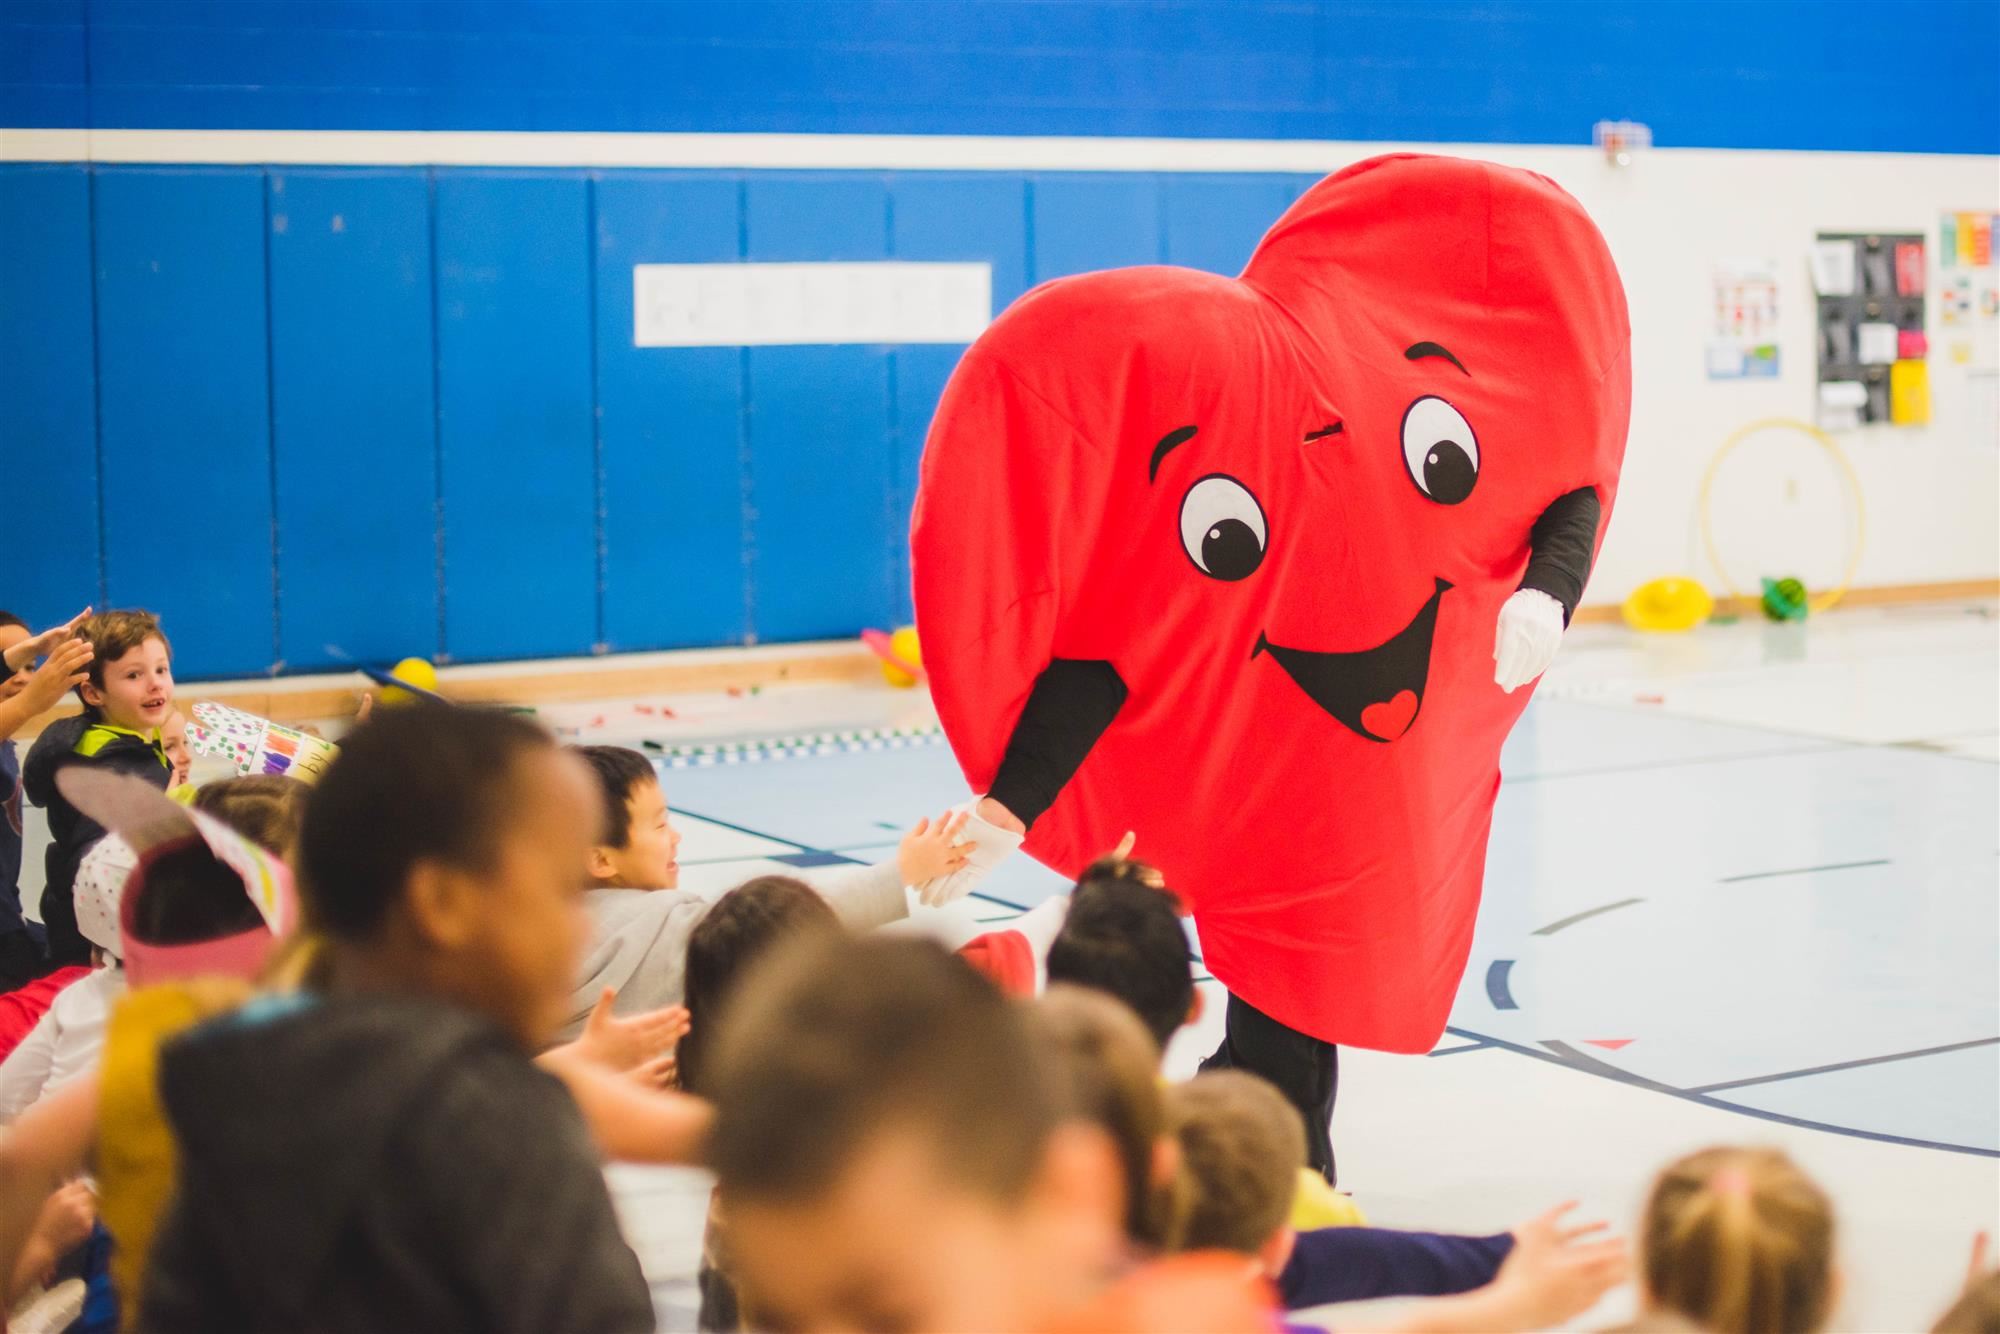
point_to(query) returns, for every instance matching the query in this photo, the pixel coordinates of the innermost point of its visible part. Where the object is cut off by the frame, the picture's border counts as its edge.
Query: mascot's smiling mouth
(1376, 692)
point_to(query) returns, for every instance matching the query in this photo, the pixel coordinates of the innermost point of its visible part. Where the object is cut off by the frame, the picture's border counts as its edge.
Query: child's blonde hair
(1741, 1242)
(1977, 1310)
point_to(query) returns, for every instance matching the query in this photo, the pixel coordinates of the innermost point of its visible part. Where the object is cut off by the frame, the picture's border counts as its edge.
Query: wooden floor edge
(1883, 595)
(304, 699)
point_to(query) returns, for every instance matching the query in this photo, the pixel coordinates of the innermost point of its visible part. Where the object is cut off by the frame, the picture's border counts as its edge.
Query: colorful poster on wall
(1743, 324)
(1969, 293)
(1965, 240)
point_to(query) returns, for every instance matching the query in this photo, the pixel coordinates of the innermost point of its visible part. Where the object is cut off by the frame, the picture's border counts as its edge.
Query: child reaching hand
(641, 921)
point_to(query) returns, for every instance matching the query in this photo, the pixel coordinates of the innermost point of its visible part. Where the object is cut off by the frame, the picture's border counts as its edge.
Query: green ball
(1785, 599)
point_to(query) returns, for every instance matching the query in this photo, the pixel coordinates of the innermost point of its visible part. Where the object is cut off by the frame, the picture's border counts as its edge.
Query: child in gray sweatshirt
(640, 921)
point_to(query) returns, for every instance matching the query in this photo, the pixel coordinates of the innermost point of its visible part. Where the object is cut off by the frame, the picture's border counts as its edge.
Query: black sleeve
(1069, 708)
(1561, 547)
(1351, 1264)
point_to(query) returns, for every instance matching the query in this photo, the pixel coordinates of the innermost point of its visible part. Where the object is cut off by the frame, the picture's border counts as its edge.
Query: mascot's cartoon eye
(1440, 451)
(1222, 528)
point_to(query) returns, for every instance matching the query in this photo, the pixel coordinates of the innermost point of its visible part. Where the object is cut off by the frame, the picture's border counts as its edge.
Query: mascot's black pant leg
(1306, 1070)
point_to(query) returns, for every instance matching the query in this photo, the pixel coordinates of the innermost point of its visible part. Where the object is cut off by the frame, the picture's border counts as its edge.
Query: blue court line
(807, 860)
(806, 849)
(1802, 870)
(1845, 1065)
(1496, 985)
(1453, 1051)
(744, 829)
(1574, 918)
(1569, 1058)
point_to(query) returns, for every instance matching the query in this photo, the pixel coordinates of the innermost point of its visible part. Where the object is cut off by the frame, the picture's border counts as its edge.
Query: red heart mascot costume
(1231, 563)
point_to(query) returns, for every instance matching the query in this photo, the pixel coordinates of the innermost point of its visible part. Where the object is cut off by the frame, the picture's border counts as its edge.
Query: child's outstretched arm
(61, 1225)
(63, 672)
(1353, 1264)
(865, 897)
(933, 848)
(634, 1124)
(48, 641)
(49, 1144)
(1554, 1274)
(639, 1046)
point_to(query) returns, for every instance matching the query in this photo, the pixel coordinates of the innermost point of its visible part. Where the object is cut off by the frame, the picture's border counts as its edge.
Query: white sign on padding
(763, 305)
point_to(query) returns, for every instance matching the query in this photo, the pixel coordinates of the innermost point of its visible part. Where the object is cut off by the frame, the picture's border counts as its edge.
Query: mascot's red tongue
(1286, 510)
(1391, 718)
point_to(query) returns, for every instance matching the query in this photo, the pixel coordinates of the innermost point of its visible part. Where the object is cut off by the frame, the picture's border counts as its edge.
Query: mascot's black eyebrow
(1418, 351)
(1172, 440)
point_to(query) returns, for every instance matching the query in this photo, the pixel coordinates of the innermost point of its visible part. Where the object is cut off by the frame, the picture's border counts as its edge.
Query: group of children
(351, 1057)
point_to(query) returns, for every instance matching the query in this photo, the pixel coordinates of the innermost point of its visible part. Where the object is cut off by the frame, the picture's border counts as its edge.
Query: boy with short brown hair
(127, 696)
(1241, 1143)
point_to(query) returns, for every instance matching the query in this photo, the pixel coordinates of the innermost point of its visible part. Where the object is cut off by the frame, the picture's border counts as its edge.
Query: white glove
(991, 845)
(1530, 631)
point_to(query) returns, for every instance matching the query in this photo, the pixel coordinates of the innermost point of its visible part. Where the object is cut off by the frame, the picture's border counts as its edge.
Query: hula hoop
(1817, 602)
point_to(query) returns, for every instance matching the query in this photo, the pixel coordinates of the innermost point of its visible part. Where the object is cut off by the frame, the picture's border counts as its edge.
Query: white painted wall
(1932, 493)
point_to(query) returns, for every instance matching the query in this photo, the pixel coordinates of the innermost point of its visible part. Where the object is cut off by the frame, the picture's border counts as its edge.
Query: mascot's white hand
(1530, 631)
(990, 845)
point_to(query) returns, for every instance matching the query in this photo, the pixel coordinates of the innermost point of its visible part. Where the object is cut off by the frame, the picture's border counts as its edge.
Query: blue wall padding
(517, 438)
(822, 525)
(185, 420)
(1214, 222)
(1773, 74)
(48, 410)
(671, 419)
(1079, 221)
(354, 424)
(940, 216)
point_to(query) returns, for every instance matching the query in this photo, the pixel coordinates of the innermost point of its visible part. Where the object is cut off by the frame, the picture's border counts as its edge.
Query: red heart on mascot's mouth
(1391, 718)
(1285, 509)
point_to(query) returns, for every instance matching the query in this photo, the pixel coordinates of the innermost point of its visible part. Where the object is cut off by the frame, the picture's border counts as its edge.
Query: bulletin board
(1873, 352)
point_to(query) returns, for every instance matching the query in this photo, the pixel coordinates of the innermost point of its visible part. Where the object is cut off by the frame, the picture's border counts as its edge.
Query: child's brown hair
(113, 634)
(1741, 1242)
(1977, 1310)
(267, 809)
(743, 927)
(1242, 1146)
(834, 1041)
(1106, 1071)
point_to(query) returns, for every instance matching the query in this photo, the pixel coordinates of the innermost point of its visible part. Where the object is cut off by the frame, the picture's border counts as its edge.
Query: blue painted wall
(1916, 76)
(352, 414)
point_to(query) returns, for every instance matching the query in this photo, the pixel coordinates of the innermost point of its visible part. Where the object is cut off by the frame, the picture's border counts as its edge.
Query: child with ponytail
(1740, 1241)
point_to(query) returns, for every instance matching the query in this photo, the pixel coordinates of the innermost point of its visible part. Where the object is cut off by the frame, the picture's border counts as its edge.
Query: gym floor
(1741, 888)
